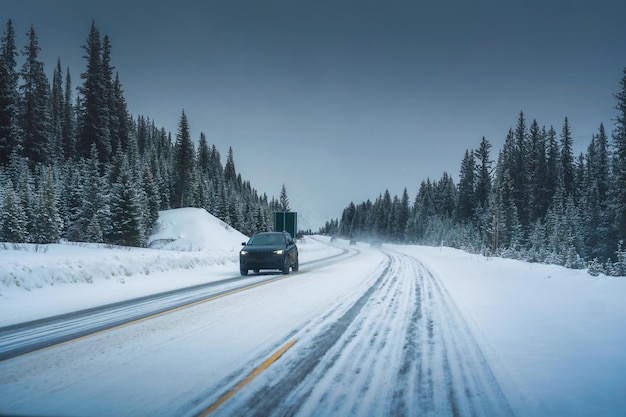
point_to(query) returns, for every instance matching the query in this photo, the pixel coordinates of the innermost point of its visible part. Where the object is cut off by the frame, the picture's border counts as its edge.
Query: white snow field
(405, 330)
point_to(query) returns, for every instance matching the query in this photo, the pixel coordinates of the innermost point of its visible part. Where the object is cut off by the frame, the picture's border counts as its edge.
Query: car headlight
(243, 252)
(279, 251)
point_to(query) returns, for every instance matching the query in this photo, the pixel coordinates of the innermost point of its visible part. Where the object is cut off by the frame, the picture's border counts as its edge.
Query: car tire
(244, 271)
(285, 268)
(295, 266)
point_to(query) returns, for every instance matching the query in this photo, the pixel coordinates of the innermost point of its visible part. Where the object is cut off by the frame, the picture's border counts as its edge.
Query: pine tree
(94, 112)
(445, 196)
(537, 199)
(519, 171)
(483, 174)
(34, 115)
(48, 221)
(567, 160)
(13, 221)
(68, 134)
(204, 156)
(184, 161)
(93, 219)
(120, 120)
(506, 231)
(9, 97)
(284, 200)
(230, 174)
(56, 113)
(402, 217)
(467, 188)
(619, 163)
(126, 210)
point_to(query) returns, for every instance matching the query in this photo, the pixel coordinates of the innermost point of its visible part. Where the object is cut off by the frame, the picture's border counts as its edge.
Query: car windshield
(272, 239)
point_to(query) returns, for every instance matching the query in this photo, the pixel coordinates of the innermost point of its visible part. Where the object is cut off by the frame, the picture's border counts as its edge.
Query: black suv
(269, 250)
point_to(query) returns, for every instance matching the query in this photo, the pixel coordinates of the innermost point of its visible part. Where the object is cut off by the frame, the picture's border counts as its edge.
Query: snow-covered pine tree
(619, 164)
(126, 212)
(48, 222)
(94, 213)
(13, 220)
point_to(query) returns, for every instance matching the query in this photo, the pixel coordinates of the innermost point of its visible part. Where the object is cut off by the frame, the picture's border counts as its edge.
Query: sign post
(286, 221)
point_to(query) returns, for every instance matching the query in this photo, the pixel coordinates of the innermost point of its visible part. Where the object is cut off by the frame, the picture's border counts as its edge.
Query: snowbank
(194, 247)
(554, 337)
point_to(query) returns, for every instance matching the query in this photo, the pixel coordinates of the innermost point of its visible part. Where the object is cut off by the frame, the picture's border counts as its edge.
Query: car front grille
(261, 254)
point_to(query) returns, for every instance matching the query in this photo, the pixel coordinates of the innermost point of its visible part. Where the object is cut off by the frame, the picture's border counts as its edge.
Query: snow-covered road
(375, 334)
(401, 348)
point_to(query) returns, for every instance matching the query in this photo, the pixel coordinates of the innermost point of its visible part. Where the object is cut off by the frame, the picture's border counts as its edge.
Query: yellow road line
(204, 300)
(249, 378)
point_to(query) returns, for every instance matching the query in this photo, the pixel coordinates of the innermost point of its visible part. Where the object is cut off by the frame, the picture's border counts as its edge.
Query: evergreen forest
(534, 200)
(75, 165)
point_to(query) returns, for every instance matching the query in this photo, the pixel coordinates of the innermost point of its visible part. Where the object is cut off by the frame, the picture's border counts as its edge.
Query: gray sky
(340, 100)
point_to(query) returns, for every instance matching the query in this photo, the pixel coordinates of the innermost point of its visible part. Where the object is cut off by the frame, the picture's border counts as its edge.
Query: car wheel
(286, 266)
(244, 271)
(256, 271)
(295, 266)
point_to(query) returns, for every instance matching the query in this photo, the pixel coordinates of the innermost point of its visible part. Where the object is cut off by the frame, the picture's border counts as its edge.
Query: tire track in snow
(403, 348)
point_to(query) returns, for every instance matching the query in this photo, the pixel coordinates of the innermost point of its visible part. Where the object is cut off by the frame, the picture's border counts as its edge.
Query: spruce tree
(13, 219)
(284, 200)
(402, 217)
(56, 113)
(553, 168)
(567, 160)
(537, 199)
(483, 174)
(94, 112)
(467, 188)
(9, 97)
(94, 214)
(230, 174)
(127, 223)
(48, 221)
(68, 134)
(183, 166)
(519, 171)
(619, 163)
(35, 95)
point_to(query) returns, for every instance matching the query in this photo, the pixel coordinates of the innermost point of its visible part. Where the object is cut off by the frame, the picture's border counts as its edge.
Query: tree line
(76, 165)
(536, 201)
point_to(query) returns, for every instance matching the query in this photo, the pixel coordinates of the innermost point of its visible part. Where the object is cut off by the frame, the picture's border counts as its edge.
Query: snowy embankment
(190, 247)
(554, 337)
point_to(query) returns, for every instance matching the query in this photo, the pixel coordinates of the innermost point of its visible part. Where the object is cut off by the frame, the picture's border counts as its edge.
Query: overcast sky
(340, 100)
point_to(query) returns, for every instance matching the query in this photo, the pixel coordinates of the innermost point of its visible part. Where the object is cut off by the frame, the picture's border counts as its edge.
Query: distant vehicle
(269, 250)
(376, 244)
(353, 241)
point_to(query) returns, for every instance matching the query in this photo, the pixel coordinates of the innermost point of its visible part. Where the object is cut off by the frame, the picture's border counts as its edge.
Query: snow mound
(186, 238)
(194, 229)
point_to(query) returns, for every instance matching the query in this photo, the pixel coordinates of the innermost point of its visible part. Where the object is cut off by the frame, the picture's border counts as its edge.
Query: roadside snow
(39, 281)
(554, 337)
